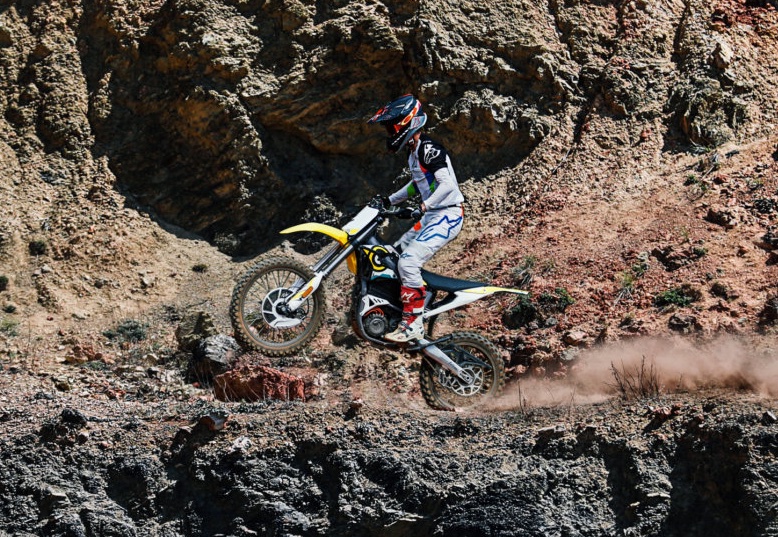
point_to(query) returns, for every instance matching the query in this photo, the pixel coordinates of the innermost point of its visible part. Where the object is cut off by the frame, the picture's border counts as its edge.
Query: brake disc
(450, 381)
(273, 306)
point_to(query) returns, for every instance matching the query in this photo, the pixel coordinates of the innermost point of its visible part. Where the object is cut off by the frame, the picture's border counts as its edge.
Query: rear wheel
(257, 308)
(442, 390)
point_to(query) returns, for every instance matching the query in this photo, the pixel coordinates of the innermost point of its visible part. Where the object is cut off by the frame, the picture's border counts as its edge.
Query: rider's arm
(434, 158)
(406, 192)
(445, 185)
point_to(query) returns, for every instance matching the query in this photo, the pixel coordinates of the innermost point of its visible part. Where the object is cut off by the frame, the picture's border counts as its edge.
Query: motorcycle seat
(436, 282)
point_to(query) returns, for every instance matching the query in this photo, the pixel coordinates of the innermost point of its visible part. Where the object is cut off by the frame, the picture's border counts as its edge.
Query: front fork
(322, 269)
(303, 293)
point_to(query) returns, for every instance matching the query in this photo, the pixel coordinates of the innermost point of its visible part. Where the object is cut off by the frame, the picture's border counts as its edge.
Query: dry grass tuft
(637, 382)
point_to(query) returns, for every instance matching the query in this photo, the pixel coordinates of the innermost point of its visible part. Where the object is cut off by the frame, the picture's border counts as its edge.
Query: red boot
(411, 327)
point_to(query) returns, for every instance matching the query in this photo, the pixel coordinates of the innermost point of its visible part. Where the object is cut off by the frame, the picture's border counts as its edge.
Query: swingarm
(431, 350)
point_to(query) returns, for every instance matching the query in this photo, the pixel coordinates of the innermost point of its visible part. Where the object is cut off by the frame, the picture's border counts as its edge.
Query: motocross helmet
(401, 118)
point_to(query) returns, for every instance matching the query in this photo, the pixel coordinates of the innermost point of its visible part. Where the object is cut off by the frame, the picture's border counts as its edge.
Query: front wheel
(257, 309)
(442, 390)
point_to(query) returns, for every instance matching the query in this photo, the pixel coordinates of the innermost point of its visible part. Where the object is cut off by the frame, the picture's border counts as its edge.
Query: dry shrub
(637, 382)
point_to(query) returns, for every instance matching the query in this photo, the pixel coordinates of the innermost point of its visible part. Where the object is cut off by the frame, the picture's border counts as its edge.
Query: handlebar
(402, 213)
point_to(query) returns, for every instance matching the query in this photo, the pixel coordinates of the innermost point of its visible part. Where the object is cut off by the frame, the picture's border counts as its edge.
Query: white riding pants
(437, 228)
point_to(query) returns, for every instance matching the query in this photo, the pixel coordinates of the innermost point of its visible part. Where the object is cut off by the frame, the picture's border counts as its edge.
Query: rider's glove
(380, 202)
(409, 214)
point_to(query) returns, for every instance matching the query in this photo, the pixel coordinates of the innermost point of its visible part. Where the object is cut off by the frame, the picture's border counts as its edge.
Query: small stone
(242, 443)
(727, 217)
(62, 385)
(215, 420)
(768, 418)
(73, 417)
(75, 359)
(569, 355)
(576, 337)
(684, 323)
(54, 498)
(548, 433)
(722, 55)
(768, 241)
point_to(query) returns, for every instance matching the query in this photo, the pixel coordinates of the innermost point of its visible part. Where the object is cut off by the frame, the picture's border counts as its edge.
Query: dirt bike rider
(440, 215)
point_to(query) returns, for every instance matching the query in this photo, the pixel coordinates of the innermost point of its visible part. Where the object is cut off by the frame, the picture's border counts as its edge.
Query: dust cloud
(669, 365)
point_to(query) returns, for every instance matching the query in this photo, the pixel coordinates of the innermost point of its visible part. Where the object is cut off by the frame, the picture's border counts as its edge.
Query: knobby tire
(438, 396)
(251, 294)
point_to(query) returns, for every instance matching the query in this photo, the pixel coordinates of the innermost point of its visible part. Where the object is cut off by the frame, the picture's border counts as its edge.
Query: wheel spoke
(259, 307)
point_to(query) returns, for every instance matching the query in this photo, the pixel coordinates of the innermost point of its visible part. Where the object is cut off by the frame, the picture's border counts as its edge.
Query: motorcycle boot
(411, 328)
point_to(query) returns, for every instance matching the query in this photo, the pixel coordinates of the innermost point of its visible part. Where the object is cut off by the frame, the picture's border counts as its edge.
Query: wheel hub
(275, 310)
(451, 382)
(375, 324)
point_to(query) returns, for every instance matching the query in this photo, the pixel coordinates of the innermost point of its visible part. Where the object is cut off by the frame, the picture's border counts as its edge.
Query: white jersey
(432, 176)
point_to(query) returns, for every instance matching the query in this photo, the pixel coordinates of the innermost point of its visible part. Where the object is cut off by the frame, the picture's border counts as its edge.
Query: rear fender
(490, 290)
(466, 296)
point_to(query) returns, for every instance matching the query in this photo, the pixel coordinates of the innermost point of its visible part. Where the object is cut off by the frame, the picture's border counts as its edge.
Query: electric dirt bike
(277, 307)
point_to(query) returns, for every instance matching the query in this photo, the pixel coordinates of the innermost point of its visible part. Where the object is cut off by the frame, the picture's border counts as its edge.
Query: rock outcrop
(228, 119)
(682, 470)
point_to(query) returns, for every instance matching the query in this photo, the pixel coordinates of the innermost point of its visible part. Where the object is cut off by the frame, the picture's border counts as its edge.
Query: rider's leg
(412, 293)
(403, 242)
(438, 229)
(412, 325)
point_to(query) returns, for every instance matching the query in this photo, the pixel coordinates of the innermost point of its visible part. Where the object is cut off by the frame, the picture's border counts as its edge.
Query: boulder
(194, 327)
(258, 383)
(213, 356)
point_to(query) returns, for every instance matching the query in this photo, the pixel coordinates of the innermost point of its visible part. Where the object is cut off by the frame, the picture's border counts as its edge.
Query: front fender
(332, 232)
(337, 234)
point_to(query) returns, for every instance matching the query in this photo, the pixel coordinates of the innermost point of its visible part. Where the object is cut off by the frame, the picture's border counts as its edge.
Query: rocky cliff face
(690, 470)
(229, 118)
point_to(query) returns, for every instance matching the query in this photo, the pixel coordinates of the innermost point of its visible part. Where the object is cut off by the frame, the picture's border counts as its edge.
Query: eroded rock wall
(279, 469)
(232, 118)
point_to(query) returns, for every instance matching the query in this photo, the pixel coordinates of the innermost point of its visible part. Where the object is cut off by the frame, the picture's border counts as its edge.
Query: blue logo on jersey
(442, 228)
